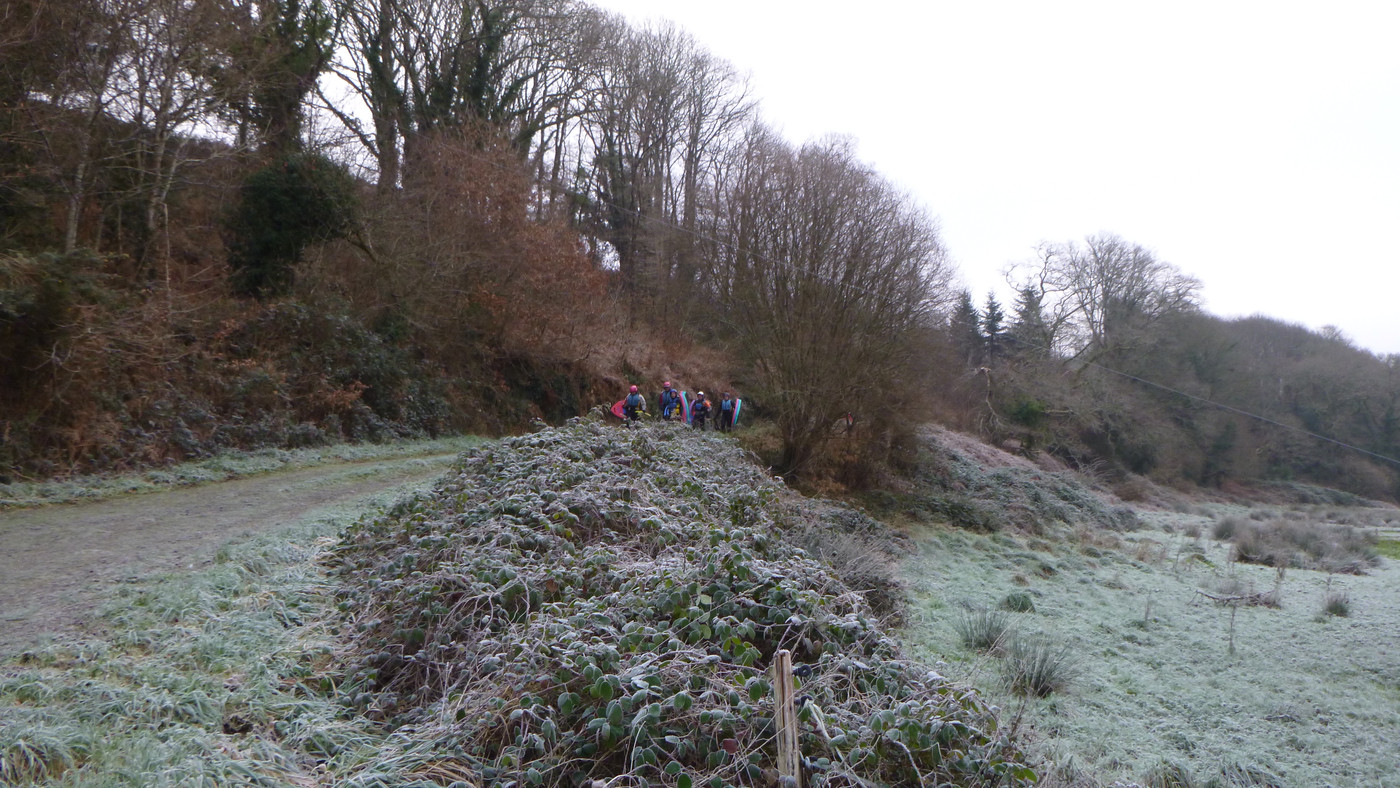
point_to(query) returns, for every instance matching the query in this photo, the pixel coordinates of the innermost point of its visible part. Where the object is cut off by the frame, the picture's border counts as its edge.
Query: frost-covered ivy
(593, 601)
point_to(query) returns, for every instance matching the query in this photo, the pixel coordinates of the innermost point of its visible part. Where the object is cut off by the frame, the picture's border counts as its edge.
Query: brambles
(961, 485)
(560, 609)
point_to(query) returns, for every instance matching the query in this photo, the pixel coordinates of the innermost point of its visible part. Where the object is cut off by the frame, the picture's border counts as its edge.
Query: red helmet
(666, 385)
(634, 389)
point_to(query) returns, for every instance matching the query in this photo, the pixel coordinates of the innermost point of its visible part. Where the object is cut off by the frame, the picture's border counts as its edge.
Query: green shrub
(296, 201)
(986, 630)
(1036, 667)
(1018, 602)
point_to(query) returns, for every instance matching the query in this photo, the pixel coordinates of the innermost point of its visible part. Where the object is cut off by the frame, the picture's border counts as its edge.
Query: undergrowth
(1303, 545)
(597, 603)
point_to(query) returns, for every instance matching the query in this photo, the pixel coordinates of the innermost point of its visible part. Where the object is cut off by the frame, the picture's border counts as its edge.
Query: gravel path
(58, 564)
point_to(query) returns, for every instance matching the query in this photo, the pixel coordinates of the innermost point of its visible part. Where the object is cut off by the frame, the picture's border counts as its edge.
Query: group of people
(671, 406)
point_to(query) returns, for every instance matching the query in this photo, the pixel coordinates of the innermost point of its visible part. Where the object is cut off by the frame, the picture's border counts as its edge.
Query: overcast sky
(1254, 145)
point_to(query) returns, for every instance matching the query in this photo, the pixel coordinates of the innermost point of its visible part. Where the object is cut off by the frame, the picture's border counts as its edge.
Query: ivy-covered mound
(593, 601)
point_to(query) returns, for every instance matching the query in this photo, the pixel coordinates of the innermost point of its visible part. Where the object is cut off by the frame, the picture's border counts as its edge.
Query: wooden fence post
(785, 719)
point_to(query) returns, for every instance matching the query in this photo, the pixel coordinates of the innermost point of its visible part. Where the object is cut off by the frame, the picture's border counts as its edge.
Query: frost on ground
(1168, 683)
(972, 486)
(593, 602)
(584, 603)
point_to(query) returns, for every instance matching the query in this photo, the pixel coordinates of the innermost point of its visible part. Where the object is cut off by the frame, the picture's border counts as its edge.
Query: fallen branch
(1261, 599)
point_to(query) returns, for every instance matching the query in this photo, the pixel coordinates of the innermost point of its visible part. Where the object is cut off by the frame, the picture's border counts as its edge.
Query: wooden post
(785, 719)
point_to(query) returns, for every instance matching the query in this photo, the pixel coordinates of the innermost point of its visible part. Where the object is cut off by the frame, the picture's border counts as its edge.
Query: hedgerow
(592, 601)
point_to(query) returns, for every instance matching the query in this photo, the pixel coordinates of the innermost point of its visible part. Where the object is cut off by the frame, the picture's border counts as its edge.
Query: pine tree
(1029, 335)
(964, 327)
(993, 327)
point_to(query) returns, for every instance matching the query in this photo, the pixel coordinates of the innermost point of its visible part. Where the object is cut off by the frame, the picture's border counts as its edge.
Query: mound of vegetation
(590, 602)
(948, 485)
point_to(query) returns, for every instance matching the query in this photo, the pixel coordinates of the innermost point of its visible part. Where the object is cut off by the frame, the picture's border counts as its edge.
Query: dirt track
(58, 564)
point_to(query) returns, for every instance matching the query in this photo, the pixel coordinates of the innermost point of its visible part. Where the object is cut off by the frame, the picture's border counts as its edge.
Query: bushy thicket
(120, 383)
(592, 602)
(1304, 545)
(282, 208)
(473, 313)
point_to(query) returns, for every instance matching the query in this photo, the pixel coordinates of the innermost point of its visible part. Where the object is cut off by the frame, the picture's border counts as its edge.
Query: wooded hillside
(274, 222)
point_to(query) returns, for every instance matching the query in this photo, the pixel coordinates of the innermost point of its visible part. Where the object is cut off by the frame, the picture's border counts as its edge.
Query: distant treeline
(278, 222)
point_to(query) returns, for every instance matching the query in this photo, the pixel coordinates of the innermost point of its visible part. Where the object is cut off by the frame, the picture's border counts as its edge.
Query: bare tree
(1105, 293)
(420, 66)
(827, 273)
(664, 113)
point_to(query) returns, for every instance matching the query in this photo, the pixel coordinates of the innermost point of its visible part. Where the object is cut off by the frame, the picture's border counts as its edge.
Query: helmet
(666, 385)
(634, 389)
(699, 393)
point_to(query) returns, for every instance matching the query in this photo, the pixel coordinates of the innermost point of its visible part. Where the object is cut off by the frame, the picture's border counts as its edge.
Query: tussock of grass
(1018, 602)
(1169, 775)
(1337, 603)
(985, 630)
(1037, 667)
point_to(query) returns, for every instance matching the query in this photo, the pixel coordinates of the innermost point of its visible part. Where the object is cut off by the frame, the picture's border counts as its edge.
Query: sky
(1254, 145)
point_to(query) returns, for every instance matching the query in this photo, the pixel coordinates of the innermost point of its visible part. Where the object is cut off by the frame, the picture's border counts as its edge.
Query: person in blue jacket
(725, 422)
(670, 401)
(633, 406)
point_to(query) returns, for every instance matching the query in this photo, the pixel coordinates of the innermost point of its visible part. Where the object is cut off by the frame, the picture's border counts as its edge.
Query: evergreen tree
(1029, 335)
(993, 327)
(965, 330)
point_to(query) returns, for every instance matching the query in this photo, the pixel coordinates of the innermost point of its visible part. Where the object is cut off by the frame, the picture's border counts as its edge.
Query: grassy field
(228, 676)
(1166, 686)
(233, 464)
(208, 678)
